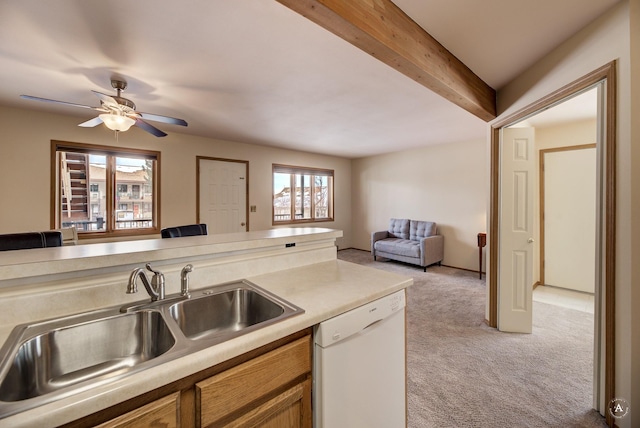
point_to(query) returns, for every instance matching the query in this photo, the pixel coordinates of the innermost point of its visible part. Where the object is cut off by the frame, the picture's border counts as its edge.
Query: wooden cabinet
(162, 413)
(261, 392)
(269, 387)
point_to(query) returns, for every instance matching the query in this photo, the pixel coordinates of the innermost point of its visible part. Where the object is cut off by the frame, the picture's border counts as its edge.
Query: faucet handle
(157, 281)
(158, 277)
(150, 269)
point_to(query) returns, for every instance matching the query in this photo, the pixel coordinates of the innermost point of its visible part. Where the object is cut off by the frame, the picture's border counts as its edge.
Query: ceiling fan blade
(91, 123)
(164, 119)
(47, 100)
(149, 128)
(106, 99)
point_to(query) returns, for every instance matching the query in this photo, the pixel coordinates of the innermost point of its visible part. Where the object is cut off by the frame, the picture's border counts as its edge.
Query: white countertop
(323, 290)
(78, 259)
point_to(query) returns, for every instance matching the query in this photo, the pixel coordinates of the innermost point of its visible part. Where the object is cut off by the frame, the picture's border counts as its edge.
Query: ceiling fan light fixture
(117, 122)
(118, 113)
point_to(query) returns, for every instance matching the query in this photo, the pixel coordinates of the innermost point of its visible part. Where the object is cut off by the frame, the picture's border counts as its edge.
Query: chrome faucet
(184, 280)
(155, 288)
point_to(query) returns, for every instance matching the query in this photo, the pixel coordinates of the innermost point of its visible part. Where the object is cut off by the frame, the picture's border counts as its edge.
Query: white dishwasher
(359, 367)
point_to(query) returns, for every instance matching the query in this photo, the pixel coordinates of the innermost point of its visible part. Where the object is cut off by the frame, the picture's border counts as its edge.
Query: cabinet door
(162, 413)
(287, 410)
(218, 397)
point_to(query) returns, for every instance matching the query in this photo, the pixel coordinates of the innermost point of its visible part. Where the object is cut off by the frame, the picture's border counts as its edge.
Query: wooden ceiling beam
(381, 29)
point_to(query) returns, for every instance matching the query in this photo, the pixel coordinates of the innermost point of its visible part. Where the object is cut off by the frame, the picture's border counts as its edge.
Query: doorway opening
(604, 79)
(565, 232)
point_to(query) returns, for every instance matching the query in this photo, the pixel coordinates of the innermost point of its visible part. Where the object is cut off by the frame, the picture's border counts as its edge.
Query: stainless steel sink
(45, 361)
(226, 311)
(68, 355)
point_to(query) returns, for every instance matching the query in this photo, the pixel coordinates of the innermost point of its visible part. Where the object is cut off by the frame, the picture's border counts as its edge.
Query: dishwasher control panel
(358, 319)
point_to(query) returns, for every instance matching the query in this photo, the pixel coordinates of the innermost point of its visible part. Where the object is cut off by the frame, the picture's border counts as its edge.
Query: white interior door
(223, 195)
(515, 264)
(570, 219)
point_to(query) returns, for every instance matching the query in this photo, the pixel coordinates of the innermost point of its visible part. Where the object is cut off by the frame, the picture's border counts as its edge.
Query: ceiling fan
(118, 113)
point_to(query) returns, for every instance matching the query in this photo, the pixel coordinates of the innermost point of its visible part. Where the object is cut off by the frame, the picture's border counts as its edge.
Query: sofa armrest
(376, 236)
(431, 250)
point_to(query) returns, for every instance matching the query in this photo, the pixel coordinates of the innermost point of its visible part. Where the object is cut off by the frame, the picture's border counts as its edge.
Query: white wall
(442, 183)
(606, 39)
(570, 219)
(563, 135)
(25, 170)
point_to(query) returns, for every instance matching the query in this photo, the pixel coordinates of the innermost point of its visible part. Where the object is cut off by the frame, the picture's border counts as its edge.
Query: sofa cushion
(401, 247)
(399, 228)
(421, 229)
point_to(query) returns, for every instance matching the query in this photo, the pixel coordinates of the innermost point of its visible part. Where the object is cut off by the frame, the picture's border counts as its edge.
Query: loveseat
(410, 241)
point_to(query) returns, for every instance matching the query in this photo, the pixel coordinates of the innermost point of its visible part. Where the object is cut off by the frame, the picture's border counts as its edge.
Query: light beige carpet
(462, 373)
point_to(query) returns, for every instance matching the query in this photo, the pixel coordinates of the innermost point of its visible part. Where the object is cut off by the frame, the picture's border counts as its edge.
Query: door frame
(542, 192)
(209, 158)
(607, 221)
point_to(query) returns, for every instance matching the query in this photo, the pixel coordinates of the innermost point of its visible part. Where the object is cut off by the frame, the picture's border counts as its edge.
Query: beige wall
(568, 134)
(570, 219)
(25, 165)
(605, 40)
(442, 183)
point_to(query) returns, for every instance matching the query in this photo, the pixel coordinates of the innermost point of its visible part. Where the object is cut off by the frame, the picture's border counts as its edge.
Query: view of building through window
(302, 194)
(105, 192)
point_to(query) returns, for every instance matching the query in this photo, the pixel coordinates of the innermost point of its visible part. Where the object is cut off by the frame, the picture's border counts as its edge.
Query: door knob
(530, 240)
(242, 224)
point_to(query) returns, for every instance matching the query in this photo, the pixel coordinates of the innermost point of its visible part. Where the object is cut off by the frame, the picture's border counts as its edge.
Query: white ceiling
(254, 71)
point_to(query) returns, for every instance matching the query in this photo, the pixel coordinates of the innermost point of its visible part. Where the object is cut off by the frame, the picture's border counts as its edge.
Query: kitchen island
(298, 265)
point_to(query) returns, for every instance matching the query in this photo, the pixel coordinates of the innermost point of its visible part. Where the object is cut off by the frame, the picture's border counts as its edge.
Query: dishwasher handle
(372, 324)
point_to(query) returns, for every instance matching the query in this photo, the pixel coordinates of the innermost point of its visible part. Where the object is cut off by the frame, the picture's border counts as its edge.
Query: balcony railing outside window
(302, 195)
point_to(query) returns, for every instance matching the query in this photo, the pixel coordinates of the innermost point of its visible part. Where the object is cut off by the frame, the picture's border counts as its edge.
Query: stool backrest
(27, 240)
(188, 230)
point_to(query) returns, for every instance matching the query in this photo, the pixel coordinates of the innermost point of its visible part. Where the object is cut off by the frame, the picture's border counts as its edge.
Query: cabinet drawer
(224, 393)
(162, 412)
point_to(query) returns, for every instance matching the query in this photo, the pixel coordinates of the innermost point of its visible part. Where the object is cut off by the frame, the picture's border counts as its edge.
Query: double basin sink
(45, 361)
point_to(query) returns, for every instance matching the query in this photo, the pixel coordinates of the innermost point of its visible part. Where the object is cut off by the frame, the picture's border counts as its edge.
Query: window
(302, 195)
(105, 191)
